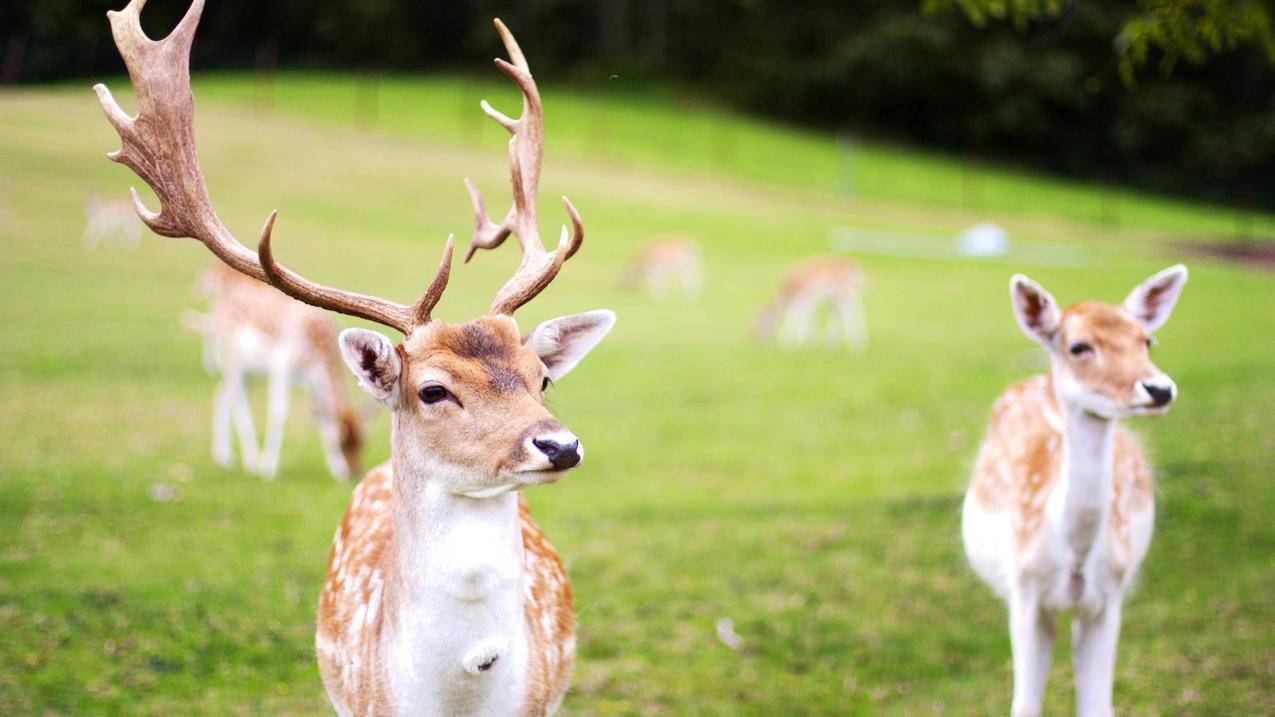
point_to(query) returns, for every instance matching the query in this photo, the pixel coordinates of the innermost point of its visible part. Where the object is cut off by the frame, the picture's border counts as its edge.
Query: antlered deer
(1059, 513)
(828, 283)
(664, 263)
(253, 330)
(442, 596)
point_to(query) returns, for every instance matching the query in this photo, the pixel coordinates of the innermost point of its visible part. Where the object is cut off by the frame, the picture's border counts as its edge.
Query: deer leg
(1031, 632)
(1094, 639)
(280, 386)
(223, 398)
(691, 281)
(242, 413)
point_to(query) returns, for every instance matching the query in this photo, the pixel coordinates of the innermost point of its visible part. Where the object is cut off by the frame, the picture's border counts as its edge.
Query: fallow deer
(828, 284)
(442, 596)
(109, 218)
(664, 263)
(1059, 513)
(251, 329)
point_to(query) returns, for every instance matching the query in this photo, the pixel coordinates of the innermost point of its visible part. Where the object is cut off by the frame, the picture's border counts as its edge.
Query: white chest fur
(460, 644)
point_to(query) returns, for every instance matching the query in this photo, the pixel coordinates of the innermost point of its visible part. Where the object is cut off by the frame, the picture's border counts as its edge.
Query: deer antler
(526, 150)
(159, 146)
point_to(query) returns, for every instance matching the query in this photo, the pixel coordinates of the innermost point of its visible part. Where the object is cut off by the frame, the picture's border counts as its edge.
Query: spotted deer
(251, 329)
(1059, 513)
(442, 597)
(110, 218)
(823, 284)
(664, 264)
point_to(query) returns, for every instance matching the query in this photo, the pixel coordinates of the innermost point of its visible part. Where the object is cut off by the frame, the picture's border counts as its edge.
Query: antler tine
(487, 235)
(159, 146)
(526, 152)
(387, 313)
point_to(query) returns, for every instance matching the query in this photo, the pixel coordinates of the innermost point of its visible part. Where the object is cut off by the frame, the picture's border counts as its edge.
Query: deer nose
(561, 454)
(1160, 395)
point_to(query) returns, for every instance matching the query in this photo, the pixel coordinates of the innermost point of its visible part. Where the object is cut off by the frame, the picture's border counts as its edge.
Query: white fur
(563, 341)
(284, 361)
(381, 380)
(1039, 324)
(459, 601)
(1169, 282)
(1071, 566)
(844, 323)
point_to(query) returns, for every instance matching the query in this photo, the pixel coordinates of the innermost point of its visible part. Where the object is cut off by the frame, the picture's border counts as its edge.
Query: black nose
(1160, 395)
(561, 455)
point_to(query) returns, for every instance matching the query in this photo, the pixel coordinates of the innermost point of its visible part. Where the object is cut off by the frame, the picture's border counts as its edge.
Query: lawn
(812, 496)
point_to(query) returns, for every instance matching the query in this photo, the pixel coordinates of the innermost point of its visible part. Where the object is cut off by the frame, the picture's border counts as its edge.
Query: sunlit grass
(812, 497)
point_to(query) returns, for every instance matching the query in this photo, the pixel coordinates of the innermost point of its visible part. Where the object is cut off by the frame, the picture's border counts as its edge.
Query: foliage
(1192, 30)
(810, 496)
(1043, 91)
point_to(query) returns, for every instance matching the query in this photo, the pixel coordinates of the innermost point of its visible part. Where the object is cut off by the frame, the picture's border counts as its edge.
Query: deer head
(467, 399)
(1100, 353)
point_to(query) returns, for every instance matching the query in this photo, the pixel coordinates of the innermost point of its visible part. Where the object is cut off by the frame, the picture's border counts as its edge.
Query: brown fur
(1019, 463)
(498, 380)
(349, 631)
(237, 301)
(1120, 342)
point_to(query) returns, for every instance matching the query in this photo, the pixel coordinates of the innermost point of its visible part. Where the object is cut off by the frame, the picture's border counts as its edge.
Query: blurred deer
(252, 329)
(1059, 514)
(824, 287)
(442, 596)
(662, 263)
(110, 218)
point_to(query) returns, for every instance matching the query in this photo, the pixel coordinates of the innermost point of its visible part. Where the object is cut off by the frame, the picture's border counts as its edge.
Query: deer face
(468, 399)
(1100, 352)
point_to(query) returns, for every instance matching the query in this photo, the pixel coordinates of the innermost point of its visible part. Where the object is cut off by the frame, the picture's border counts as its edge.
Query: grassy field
(812, 497)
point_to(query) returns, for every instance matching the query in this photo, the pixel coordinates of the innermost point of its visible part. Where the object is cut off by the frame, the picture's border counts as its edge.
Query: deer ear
(562, 342)
(1153, 300)
(373, 361)
(1035, 309)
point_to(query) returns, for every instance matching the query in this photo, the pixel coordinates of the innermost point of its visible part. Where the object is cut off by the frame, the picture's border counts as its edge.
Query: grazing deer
(829, 283)
(1059, 513)
(253, 330)
(110, 218)
(663, 263)
(442, 596)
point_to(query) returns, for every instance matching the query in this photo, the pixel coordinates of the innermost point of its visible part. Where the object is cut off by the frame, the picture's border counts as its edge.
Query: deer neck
(455, 597)
(1086, 485)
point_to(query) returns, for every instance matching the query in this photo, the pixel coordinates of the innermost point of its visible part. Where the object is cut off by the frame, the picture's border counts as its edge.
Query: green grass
(812, 497)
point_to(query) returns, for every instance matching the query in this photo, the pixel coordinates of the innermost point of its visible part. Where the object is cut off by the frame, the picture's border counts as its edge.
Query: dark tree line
(1046, 91)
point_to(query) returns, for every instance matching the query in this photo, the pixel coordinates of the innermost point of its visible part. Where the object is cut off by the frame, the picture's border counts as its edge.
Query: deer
(442, 595)
(1059, 513)
(664, 263)
(110, 218)
(252, 329)
(833, 284)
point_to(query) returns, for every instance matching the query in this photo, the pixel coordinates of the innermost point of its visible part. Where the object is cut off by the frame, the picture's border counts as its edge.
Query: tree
(1193, 30)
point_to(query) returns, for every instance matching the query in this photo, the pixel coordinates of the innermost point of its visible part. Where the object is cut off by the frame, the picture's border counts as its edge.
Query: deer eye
(545, 384)
(1080, 348)
(433, 393)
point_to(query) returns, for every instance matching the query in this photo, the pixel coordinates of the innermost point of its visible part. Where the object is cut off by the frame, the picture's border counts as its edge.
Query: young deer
(831, 283)
(1059, 513)
(253, 330)
(442, 596)
(663, 263)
